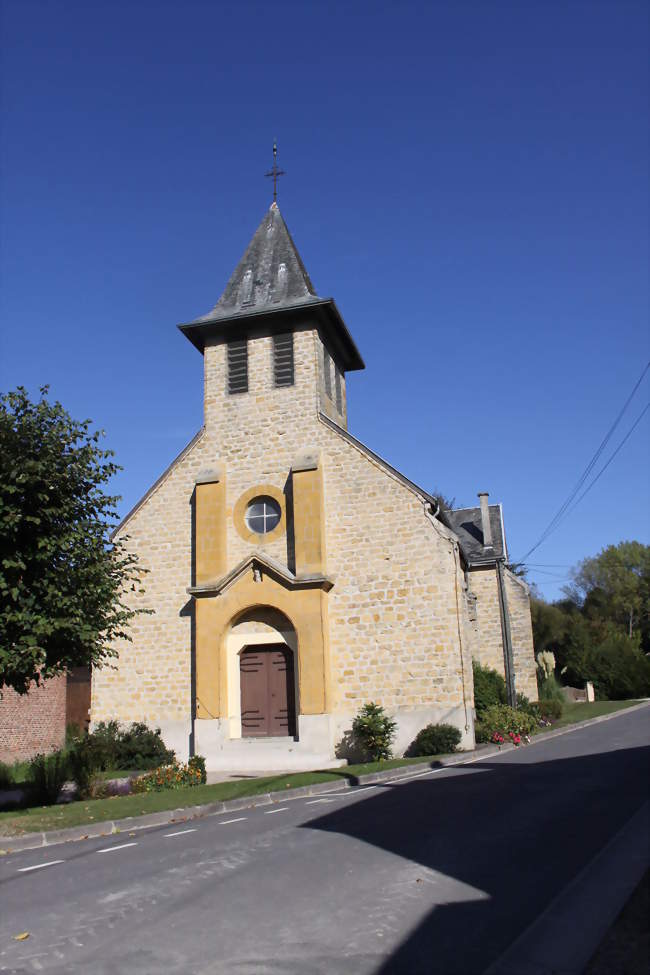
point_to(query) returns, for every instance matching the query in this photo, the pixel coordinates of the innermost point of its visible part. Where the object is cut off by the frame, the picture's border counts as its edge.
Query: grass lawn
(574, 713)
(37, 818)
(91, 811)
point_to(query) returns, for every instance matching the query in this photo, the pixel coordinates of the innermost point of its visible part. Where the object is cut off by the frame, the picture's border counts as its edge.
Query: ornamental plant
(502, 719)
(374, 731)
(177, 775)
(435, 739)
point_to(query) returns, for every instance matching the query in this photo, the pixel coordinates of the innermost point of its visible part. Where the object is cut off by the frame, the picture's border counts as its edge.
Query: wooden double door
(268, 705)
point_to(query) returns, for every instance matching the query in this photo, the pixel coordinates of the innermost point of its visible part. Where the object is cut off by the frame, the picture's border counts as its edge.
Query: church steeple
(270, 274)
(270, 290)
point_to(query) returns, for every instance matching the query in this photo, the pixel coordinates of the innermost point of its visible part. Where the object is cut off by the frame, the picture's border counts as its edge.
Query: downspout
(508, 659)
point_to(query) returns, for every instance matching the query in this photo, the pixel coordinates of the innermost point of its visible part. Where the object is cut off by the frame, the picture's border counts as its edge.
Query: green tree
(615, 585)
(62, 580)
(550, 625)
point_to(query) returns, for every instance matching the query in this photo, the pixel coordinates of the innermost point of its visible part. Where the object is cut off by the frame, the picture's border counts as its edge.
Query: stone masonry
(400, 617)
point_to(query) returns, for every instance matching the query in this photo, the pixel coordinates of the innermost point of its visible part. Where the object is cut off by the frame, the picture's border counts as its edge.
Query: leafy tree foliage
(615, 585)
(601, 630)
(62, 581)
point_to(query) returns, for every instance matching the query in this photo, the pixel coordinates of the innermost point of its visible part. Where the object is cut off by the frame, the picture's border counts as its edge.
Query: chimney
(485, 519)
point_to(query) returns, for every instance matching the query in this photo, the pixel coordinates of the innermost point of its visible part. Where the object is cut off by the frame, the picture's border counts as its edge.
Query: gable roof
(466, 523)
(270, 289)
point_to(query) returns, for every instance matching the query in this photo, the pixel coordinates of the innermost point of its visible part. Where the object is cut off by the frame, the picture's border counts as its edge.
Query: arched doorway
(262, 674)
(267, 691)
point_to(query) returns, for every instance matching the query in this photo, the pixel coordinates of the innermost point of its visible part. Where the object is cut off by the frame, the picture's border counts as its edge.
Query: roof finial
(275, 172)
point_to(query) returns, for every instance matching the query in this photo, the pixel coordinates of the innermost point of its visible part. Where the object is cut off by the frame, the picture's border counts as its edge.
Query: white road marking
(110, 849)
(39, 866)
(224, 822)
(312, 801)
(271, 811)
(182, 832)
(417, 775)
(353, 791)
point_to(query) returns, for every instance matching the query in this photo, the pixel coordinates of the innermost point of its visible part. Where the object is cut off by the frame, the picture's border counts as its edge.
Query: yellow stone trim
(305, 609)
(309, 520)
(239, 512)
(210, 530)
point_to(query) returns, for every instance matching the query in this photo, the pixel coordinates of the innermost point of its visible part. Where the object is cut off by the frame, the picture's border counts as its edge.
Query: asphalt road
(437, 872)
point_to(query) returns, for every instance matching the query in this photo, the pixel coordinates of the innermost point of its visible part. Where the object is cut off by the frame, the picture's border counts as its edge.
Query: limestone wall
(521, 631)
(399, 632)
(484, 584)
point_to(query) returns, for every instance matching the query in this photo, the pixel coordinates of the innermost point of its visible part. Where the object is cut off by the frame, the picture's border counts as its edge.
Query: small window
(283, 359)
(238, 366)
(327, 372)
(338, 388)
(263, 515)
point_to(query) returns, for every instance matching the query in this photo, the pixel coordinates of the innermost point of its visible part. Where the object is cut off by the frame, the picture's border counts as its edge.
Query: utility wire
(587, 471)
(606, 465)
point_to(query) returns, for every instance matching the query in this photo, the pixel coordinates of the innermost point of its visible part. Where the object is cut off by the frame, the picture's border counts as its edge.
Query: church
(294, 574)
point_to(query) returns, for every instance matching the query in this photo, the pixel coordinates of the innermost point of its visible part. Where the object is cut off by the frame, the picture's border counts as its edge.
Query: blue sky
(468, 180)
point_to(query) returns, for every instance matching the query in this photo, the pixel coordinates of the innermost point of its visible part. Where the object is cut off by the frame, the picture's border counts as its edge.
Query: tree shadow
(511, 832)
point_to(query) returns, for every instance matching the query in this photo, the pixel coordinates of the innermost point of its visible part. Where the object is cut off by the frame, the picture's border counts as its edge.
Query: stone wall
(521, 632)
(32, 722)
(484, 584)
(395, 631)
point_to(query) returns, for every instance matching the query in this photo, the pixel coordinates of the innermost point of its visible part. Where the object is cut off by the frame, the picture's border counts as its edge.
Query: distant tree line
(600, 630)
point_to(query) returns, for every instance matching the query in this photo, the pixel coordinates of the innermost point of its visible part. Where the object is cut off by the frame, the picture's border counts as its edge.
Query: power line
(587, 471)
(606, 465)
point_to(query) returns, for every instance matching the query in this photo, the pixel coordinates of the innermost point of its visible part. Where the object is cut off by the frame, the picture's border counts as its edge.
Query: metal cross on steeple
(275, 172)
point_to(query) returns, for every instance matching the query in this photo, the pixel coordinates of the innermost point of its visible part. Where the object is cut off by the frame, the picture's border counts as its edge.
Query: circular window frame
(239, 514)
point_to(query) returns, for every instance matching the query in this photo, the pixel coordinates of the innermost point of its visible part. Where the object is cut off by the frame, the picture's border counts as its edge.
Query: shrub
(435, 739)
(141, 748)
(502, 720)
(173, 776)
(617, 668)
(134, 748)
(489, 688)
(374, 731)
(550, 689)
(105, 741)
(46, 775)
(6, 778)
(198, 762)
(550, 709)
(83, 766)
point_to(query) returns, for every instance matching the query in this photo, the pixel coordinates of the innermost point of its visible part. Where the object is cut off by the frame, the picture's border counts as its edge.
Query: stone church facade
(294, 574)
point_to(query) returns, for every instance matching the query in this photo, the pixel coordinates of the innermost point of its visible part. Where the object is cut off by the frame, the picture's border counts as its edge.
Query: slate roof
(270, 274)
(466, 523)
(270, 286)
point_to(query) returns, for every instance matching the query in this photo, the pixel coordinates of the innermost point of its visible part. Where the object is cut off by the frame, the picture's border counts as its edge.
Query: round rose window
(263, 515)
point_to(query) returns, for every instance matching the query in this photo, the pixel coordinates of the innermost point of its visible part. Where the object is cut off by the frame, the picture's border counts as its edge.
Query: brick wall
(32, 722)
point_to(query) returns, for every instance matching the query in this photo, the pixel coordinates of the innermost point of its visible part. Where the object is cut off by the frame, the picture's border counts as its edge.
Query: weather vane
(275, 172)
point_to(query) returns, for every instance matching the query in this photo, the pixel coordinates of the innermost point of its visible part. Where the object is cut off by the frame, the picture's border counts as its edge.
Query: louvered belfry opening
(283, 359)
(327, 372)
(238, 366)
(338, 389)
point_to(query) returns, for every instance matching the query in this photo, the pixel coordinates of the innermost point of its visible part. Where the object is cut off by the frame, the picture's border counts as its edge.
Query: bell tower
(271, 344)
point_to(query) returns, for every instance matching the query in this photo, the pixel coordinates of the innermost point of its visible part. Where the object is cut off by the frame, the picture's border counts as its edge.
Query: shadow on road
(514, 830)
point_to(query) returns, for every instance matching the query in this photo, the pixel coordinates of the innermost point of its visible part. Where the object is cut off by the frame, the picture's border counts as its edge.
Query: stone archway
(262, 674)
